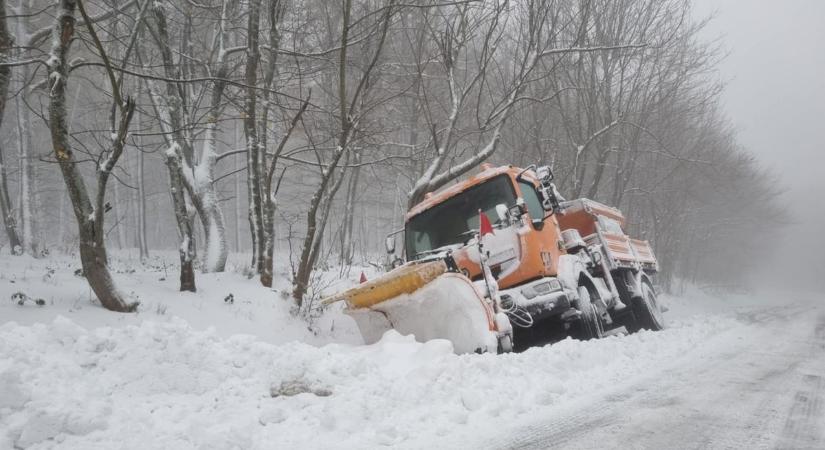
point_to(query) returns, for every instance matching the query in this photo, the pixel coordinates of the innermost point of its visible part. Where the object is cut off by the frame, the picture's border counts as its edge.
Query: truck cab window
(449, 222)
(531, 198)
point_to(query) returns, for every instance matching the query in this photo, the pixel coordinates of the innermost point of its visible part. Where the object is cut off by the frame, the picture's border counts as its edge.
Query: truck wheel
(647, 310)
(589, 325)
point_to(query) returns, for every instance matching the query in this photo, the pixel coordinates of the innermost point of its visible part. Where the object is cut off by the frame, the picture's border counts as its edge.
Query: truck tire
(647, 310)
(589, 326)
(505, 344)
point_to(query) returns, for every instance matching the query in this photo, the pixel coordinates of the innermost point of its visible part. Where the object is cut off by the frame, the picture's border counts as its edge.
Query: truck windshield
(447, 223)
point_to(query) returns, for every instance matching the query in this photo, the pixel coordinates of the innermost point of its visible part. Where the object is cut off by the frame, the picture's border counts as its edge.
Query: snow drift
(166, 385)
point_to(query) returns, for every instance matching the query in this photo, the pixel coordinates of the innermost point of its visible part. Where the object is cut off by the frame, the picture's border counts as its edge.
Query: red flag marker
(363, 278)
(484, 225)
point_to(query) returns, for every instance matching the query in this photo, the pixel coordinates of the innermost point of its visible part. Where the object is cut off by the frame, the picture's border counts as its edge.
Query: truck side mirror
(549, 200)
(389, 244)
(519, 209)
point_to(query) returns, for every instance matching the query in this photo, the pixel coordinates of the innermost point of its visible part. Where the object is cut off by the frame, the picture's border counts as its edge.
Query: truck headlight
(545, 287)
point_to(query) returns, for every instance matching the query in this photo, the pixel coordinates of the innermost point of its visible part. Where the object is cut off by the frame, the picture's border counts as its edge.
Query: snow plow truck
(502, 254)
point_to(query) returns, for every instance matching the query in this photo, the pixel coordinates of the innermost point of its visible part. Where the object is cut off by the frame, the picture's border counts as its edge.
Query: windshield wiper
(436, 250)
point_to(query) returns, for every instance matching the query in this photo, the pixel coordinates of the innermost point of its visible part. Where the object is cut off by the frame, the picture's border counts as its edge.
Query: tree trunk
(269, 242)
(5, 203)
(237, 202)
(275, 12)
(253, 157)
(215, 254)
(29, 211)
(203, 177)
(119, 220)
(6, 42)
(186, 251)
(28, 197)
(347, 244)
(143, 244)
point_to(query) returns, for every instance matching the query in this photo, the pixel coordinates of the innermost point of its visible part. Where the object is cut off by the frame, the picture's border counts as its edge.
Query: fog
(775, 97)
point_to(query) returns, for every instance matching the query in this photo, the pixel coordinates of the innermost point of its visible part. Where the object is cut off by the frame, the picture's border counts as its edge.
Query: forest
(299, 132)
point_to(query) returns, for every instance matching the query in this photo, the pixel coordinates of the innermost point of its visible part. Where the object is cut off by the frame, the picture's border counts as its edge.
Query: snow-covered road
(764, 390)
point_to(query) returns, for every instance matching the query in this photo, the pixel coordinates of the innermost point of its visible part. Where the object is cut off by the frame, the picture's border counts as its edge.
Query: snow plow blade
(427, 301)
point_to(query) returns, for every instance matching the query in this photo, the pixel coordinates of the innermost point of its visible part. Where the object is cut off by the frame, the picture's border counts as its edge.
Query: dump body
(599, 224)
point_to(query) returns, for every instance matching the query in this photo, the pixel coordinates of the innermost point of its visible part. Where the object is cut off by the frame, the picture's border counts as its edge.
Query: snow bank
(254, 309)
(167, 385)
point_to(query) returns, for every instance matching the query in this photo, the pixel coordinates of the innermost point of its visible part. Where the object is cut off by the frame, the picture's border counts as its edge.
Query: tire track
(762, 394)
(805, 418)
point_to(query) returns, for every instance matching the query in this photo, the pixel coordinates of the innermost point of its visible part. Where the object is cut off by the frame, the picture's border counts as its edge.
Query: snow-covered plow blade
(427, 301)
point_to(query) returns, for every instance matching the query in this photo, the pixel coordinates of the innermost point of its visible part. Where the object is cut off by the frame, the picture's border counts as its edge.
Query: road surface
(762, 389)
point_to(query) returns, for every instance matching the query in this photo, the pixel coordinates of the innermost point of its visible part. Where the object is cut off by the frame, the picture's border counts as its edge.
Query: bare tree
(89, 213)
(196, 172)
(497, 39)
(350, 112)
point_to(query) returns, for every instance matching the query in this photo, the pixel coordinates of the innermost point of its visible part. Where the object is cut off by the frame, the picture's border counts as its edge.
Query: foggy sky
(775, 97)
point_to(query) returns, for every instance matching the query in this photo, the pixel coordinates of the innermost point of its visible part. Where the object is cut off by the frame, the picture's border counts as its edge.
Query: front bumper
(541, 306)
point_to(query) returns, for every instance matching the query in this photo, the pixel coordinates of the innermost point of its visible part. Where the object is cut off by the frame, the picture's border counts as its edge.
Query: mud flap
(449, 307)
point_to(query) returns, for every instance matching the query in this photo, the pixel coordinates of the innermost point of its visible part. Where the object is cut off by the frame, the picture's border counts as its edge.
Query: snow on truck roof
(435, 198)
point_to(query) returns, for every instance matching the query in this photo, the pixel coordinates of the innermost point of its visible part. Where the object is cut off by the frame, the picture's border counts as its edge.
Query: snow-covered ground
(193, 371)
(255, 310)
